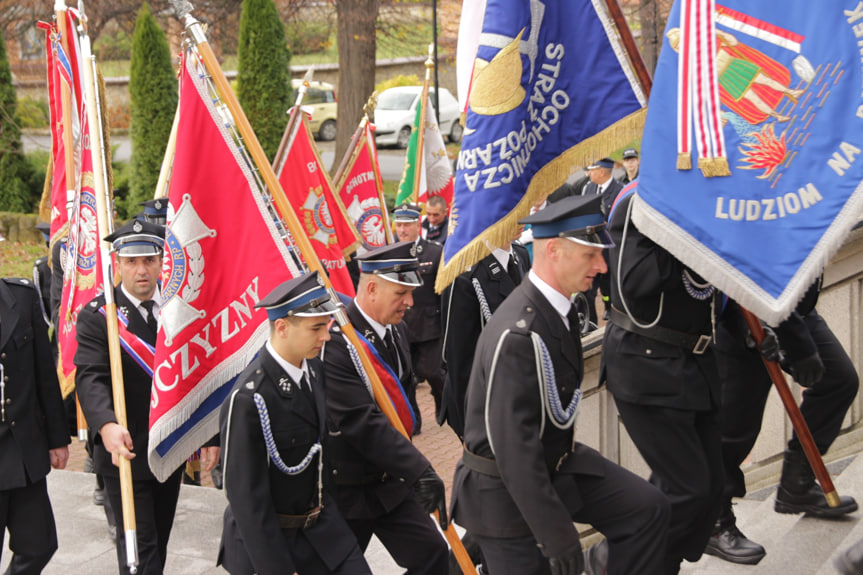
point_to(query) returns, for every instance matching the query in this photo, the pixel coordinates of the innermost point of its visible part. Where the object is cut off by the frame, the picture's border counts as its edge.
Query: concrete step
(794, 543)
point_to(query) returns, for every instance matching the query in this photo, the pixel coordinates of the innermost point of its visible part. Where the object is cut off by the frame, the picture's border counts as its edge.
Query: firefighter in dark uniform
(42, 281)
(383, 485)
(423, 319)
(33, 431)
(273, 432)
(467, 306)
(138, 246)
(818, 362)
(155, 211)
(661, 370)
(523, 479)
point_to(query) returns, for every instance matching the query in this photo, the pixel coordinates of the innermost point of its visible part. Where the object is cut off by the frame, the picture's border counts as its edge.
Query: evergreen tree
(264, 75)
(14, 168)
(153, 94)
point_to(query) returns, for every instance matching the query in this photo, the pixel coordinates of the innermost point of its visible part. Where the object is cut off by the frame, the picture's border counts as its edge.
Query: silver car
(396, 110)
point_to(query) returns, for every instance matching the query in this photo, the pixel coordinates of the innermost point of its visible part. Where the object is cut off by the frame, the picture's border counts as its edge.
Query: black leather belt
(303, 521)
(365, 480)
(480, 464)
(693, 342)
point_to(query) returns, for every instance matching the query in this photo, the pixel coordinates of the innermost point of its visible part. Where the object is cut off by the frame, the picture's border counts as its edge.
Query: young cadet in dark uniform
(273, 431)
(33, 431)
(819, 363)
(467, 306)
(423, 319)
(662, 373)
(138, 246)
(523, 479)
(383, 484)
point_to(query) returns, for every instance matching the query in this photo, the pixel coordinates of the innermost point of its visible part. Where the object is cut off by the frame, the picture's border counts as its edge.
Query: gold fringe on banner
(544, 182)
(684, 161)
(45, 200)
(714, 167)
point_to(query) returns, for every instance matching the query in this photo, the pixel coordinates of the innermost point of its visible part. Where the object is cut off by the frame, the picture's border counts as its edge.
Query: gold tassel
(714, 167)
(684, 161)
(543, 183)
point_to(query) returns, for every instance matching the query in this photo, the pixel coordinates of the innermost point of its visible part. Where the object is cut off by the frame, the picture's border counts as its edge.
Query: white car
(396, 110)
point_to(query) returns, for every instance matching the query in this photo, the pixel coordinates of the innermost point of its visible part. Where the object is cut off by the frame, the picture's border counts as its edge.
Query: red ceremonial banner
(83, 266)
(309, 190)
(359, 189)
(223, 254)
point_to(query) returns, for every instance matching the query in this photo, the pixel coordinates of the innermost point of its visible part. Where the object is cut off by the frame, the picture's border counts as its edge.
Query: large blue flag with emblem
(551, 91)
(751, 159)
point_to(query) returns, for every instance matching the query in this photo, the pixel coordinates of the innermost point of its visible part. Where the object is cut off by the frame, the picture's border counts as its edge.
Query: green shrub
(400, 80)
(308, 37)
(33, 113)
(116, 46)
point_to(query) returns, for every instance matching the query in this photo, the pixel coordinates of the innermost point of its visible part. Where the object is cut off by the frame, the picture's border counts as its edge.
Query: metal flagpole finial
(430, 60)
(182, 8)
(370, 105)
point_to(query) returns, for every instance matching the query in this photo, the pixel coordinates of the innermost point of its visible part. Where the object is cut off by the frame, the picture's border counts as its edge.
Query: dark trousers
(26, 512)
(426, 360)
(155, 505)
(746, 385)
(410, 537)
(683, 450)
(632, 514)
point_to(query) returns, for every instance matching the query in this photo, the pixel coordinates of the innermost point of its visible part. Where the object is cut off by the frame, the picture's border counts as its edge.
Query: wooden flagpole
(199, 39)
(105, 227)
(629, 45)
(800, 427)
(168, 159)
(419, 158)
(357, 140)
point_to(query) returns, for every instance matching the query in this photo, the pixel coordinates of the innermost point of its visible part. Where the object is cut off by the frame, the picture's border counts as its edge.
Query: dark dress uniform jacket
(644, 370)
(463, 323)
(34, 418)
(257, 490)
(526, 500)
(373, 466)
(93, 381)
(423, 319)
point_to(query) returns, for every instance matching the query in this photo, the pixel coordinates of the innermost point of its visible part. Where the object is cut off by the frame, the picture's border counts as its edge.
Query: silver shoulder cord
(548, 393)
(358, 365)
(484, 310)
(620, 289)
(446, 324)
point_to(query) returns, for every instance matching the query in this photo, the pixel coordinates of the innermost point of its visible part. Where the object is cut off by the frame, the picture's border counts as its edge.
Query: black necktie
(151, 318)
(574, 322)
(512, 270)
(393, 351)
(307, 389)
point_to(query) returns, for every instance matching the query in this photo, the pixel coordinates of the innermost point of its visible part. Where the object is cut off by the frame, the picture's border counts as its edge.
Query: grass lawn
(16, 258)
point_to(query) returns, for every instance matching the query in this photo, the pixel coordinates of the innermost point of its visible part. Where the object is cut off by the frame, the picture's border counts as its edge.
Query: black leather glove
(570, 562)
(807, 371)
(769, 345)
(431, 494)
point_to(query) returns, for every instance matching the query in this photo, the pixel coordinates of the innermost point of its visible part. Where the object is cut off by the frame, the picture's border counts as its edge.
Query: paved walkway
(86, 549)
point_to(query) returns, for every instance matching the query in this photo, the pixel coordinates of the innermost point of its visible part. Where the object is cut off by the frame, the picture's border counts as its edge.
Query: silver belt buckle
(701, 344)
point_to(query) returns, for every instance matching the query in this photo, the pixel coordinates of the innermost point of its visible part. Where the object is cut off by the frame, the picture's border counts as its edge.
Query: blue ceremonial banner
(552, 90)
(751, 174)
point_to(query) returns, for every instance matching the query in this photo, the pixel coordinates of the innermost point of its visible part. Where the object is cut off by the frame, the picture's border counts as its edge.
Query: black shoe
(99, 496)
(216, 476)
(596, 558)
(729, 544)
(850, 562)
(798, 492)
